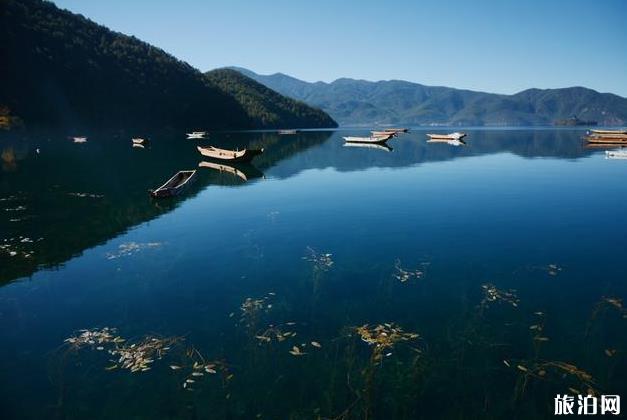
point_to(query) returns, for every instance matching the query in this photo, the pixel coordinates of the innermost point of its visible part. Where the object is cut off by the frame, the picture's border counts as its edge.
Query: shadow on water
(60, 198)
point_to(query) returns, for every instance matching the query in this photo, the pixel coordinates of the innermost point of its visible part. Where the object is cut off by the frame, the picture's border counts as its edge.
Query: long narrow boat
(604, 132)
(396, 130)
(371, 139)
(451, 136)
(196, 135)
(386, 134)
(175, 185)
(139, 141)
(79, 139)
(287, 132)
(606, 140)
(244, 155)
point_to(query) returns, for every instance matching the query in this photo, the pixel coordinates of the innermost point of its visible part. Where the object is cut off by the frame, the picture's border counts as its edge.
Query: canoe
(197, 135)
(139, 141)
(604, 132)
(451, 136)
(286, 132)
(606, 140)
(396, 130)
(175, 185)
(386, 134)
(244, 155)
(378, 146)
(371, 139)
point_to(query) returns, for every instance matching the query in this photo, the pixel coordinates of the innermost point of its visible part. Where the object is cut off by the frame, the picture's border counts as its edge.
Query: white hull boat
(451, 136)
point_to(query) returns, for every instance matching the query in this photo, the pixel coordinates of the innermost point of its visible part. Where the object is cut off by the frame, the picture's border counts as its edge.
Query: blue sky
(501, 46)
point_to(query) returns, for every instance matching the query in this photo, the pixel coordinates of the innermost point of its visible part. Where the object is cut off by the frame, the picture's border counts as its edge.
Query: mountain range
(61, 69)
(393, 102)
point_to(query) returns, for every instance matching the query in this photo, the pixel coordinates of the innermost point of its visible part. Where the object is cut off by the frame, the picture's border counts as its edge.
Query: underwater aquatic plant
(383, 337)
(320, 261)
(404, 275)
(492, 294)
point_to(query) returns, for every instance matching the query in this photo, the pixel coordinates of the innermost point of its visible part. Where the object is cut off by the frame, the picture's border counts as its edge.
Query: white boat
(378, 146)
(605, 132)
(451, 136)
(139, 141)
(616, 154)
(79, 139)
(287, 132)
(371, 139)
(197, 135)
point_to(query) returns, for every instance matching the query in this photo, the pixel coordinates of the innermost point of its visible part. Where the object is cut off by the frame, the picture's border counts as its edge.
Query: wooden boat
(396, 130)
(175, 185)
(197, 135)
(606, 140)
(606, 132)
(371, 139)
(387, 134)
(139, 141)
(377, 146)
(79, 139)
(451, 136)
(244, 155)
(287, 132)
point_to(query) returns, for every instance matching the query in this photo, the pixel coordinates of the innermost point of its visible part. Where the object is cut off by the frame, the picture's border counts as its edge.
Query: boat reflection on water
(376, 146)
(245, 172)
(456, 143)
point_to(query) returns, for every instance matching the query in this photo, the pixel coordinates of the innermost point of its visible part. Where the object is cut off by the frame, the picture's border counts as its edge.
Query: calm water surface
(507, 251)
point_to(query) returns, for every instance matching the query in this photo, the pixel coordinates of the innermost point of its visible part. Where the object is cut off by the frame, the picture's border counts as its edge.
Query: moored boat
(371, 139)
(197, 135)
(451, 136)
(386, 134)
(396, 130)
(175, 185)
(608, 132)
(607, 140)
(287, 132)
(79, 139)
(244, 155)
(139, 141)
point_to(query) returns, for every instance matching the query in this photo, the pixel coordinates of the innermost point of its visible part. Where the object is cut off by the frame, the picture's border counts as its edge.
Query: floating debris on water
(404, 275)
(538, 328)
(383, 337)
(252, 308)
(553, 269)
(136, 357)
(130, 248)
(320, 261)
(559, 372)
(610, 352)
(492, 294)
(84, 195)
(18, 208)
(316, 344)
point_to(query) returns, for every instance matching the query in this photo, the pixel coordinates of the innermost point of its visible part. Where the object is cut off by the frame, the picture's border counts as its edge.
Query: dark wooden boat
(244, 155)
(175, 185)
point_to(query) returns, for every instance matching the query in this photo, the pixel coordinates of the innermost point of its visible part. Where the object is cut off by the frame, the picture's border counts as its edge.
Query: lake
(321, 281)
